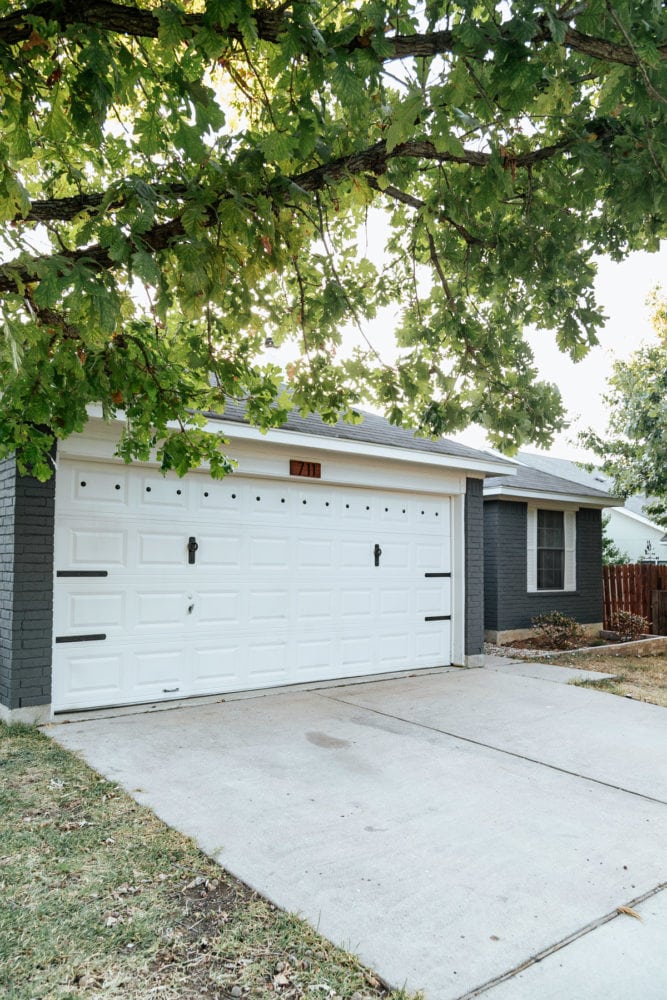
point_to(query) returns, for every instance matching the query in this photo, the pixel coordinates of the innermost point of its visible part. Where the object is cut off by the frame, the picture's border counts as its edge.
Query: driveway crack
(552, 949)
(491, 746)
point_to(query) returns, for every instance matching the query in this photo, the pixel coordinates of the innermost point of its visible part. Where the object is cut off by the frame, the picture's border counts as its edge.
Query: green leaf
(403, 121)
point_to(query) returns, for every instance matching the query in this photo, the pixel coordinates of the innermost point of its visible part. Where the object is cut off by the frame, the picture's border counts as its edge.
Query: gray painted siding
(26, 587)
(491, 533)
(507, 601)
(474, 567)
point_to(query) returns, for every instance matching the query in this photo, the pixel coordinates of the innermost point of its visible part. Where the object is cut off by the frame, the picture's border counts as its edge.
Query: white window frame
(570, 533)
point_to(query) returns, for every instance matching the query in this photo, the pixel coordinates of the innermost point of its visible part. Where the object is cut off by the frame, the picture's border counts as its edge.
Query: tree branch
(407, 199)
(270, 23)
(372, 161)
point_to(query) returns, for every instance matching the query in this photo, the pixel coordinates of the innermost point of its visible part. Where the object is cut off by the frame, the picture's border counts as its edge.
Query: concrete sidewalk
(450, 828)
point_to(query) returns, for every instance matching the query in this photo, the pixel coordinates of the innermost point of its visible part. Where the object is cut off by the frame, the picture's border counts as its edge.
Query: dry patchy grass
(99, 899)
(643, 678)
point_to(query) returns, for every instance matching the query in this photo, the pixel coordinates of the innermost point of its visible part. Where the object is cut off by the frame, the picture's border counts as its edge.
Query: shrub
(556, 630)
(628, 626)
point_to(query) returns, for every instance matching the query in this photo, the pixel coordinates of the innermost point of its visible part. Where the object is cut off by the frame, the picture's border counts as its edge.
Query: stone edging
(640, 647)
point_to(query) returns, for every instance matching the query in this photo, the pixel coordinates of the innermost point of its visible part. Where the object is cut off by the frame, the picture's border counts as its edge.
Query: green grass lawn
(643, 678)
(98, 898)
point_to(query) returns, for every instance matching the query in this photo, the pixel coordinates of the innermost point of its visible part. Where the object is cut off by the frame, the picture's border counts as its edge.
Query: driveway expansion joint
(490, 746)
(563, 943)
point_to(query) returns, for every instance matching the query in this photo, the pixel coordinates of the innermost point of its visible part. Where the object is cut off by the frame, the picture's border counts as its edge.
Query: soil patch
(586, 642)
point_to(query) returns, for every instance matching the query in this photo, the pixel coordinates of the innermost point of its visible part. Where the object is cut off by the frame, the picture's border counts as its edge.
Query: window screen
(550, 550)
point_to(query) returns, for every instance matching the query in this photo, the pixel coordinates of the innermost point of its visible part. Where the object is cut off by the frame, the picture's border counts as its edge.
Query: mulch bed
(586, 643)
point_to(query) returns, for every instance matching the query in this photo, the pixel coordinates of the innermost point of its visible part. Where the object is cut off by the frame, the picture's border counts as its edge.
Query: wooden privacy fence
(636, 588)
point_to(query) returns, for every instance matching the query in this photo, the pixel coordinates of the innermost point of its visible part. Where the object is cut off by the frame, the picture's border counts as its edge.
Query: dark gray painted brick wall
(508, 605)
(474, 562)
(26, 587)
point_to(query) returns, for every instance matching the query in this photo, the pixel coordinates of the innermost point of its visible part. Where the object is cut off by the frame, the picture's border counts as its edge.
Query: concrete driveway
(467, 832)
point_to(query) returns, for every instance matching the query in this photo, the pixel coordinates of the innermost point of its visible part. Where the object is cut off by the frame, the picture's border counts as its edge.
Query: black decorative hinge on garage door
(82, 572)
(430, 575)
(93, 637)
(438, 618)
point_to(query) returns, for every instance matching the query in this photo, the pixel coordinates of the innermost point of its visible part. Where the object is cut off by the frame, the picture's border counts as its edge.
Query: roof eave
(279, 436)
(515, 493)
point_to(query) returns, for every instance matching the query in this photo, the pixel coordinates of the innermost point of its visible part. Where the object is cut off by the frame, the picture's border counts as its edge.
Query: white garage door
(169, 588)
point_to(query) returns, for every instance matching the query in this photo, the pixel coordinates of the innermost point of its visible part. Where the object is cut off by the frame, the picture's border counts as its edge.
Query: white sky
(622, 290)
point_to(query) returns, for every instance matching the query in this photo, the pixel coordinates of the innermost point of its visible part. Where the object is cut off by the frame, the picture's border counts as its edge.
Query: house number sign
(311, 470)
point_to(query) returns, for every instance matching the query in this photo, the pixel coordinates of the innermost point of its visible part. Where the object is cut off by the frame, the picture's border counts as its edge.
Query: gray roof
(535, 481)
(595, 479)
(566, 469)
(372, 430)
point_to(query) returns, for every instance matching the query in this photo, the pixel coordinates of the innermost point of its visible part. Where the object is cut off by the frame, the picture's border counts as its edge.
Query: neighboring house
(333, 552)
(543, 551)
(629, 527)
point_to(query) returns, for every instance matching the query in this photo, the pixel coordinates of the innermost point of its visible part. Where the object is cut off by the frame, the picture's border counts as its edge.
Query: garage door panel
(356, 652)
(395, 555)
(160, 607)
(433, 600)
(267, 661)
(433, 557)
(395, 512)
(313, 658)
(357, 510)
(316, 503)
(217, 607)
(268, 607)
(357, 554)
(216, 497)
(85, 611)
(279, 591)
(356, 604)
(268, 552)
(78, 548)
(218, 666)
(267, 501)
(395, 601)
(218, 551)
(314, 553)
(162, 548)
(165, 494)
(84, 678)
(92, 485)
(396, 650)
(315, 607)
(432, 644)
(158, 672)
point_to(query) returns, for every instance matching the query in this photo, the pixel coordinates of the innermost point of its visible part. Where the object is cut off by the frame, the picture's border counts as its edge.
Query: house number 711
(312, 470)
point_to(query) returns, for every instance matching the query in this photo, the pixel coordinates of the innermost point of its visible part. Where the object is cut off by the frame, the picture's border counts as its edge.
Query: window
(551, 549)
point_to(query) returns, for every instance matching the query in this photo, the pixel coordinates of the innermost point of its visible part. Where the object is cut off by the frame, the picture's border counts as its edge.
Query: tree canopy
(634, 449)
(181, 179)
